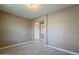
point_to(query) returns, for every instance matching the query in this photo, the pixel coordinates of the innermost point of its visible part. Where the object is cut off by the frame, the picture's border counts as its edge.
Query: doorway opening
(39, 30)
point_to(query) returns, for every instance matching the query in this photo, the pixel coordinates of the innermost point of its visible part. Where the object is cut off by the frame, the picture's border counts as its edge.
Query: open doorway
(40, 31)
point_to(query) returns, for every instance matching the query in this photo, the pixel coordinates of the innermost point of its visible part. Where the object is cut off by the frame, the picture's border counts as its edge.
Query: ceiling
(24, 11)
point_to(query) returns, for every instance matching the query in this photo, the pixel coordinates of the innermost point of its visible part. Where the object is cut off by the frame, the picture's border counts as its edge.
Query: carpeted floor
(31, 49)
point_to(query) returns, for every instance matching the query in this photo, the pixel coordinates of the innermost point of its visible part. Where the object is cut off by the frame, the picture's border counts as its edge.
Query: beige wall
(14, 29)
(63, 28)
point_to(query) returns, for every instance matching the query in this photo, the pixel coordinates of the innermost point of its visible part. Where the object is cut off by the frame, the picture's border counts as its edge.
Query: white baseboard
(15, 45)
(64, 50)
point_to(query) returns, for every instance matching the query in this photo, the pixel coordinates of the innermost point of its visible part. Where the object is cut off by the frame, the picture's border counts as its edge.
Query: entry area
(40, 31)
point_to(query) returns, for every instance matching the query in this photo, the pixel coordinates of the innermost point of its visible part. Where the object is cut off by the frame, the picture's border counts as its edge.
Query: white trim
(16, 45)
(64, 50)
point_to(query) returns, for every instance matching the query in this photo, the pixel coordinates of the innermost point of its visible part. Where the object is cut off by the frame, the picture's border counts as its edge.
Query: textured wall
(14, 29)
(63, 28)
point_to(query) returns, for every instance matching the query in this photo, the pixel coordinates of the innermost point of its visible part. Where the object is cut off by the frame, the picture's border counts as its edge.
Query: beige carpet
(31, 49)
